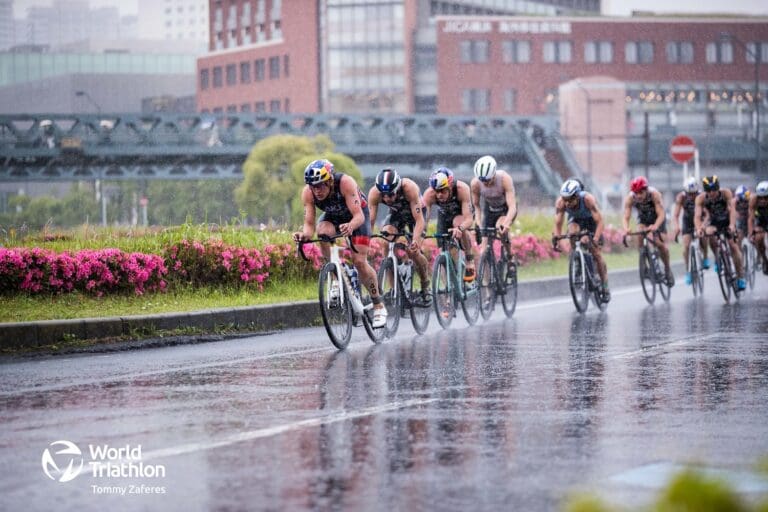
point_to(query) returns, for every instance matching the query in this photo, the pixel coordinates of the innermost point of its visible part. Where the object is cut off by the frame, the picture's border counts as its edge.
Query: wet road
(510, 414)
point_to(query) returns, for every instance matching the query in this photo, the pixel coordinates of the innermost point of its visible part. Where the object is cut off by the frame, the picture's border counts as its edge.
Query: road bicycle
(725, 266)
(695, 266)
(496, 274)
(583, 278)
(749, 256)
(448, 285)
(342, 303)
(651, 267)
(401, 295)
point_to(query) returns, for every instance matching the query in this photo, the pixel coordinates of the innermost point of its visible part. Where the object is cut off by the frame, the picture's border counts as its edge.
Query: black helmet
(711, 183)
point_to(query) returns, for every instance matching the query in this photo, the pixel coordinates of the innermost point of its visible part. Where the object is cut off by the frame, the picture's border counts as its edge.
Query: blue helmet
(441, 179)
(388, 181)
(742, 192)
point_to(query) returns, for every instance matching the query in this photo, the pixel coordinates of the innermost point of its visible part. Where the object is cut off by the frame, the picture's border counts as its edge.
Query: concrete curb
(257, 318)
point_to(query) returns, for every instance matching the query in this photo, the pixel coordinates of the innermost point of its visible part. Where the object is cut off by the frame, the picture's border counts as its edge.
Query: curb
(256, 318)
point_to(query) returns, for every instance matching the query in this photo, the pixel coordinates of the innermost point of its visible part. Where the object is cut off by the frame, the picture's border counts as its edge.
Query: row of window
(255, 71)
(259, 107)
(635, 52)
(478, 101)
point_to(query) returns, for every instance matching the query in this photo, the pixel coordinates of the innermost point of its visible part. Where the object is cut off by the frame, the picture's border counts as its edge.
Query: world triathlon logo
(62, 461)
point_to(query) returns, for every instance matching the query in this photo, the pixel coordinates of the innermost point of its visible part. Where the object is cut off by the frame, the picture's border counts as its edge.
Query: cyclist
(583, 215)
(497, 191)
(685, 202)
(758, 221)
(650, 217)
(722, 218)
(403, 197)
(454, 211)
(345, 212)
(741, 204)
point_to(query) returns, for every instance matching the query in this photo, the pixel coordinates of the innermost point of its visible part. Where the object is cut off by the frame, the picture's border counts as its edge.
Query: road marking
(281, 429)
(567, 299)
(671, 343)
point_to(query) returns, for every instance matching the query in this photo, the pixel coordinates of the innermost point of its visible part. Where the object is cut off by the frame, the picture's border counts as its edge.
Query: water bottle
(352, 273)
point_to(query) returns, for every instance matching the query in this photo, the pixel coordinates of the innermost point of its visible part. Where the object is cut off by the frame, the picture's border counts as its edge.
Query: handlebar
(322, 238)
(644, 234)
(570, 236)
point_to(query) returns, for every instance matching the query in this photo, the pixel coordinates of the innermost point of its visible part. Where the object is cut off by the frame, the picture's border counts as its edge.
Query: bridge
(58, 147)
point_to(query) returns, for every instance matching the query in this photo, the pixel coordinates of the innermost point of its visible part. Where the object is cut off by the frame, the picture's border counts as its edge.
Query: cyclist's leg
(469, 250)
(326, 227)
(687, 239)
(736, 254)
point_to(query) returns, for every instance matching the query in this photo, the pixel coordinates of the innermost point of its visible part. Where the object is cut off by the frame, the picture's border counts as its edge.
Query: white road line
(281, 429)
(672, 343)
(567, 299)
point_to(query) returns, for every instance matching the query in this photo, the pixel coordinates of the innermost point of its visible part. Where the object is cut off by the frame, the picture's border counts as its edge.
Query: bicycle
(749, 253)
(695, 266)
(651, 268)
(583, 279)
(399, 294)
(342, 306)
(725, 267)
(497, 277)
(448, 286)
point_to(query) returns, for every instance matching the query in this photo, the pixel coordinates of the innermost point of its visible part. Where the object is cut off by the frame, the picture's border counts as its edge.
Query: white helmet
(570, 188)
(691, 185)
(485, 168)
(761, 190)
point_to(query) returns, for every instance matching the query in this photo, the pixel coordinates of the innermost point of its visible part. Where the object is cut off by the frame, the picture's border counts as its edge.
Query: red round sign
(681, 149)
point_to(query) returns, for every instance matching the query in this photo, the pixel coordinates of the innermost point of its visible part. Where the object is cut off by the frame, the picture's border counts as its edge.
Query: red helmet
(638, 184)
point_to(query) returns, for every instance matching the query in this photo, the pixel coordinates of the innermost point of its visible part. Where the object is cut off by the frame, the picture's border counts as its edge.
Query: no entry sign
(681, 149)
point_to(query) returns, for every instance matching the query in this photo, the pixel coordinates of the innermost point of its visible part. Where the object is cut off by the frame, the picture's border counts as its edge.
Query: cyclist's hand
(456, 232)
(677, 233)
(345, 229)
(732, 230)
(299, 236)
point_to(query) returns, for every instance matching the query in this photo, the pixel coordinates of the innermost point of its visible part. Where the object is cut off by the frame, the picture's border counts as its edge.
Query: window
(598, 51)
(557, 51)
(679, 52)
(719, 53)
(274, 67)
(757, 49)
(217, 77)
(474, 51)
(245, 107)
(231, 74)
(287, 105)
(516, 52)
(274, 106)
(231, 109)
(475, 101)
(245, 72)
(638, 52)
(258, 70)
(204, 78)
(510, 101)
(286, 65)
(259, 106)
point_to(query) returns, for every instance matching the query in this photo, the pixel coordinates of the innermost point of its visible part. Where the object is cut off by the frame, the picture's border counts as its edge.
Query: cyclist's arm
(413, 195)
(429, 200)
(699, 206)
(731, 210)
(559, 216)
(678, 209)
(466, 206)
(591, 204)
(509, 194)
(374, 196)
(751, 215)
(627, 212)
(351, 195)
(474, 187)
(660, 214)
(309, 213)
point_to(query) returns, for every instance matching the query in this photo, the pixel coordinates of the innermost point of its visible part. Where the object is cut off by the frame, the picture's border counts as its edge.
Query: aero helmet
(570, 188)
(441, 179)
(762, 189)
(485, 168)
(742, 192)
(691, 185)
(388, 181)
(638, 184)
(318, 172)
(711, 183)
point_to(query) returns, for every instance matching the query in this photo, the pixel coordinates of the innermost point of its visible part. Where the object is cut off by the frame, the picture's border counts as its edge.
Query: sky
(611, 7)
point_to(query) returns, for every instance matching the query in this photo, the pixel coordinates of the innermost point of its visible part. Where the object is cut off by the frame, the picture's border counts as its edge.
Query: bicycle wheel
(647, 279)
(693, 269)
(700, 272)
(419, 313)
(733, 276)
(508, 275)
(748, 254)
(486, 279)
(577, 280)
(379, 333)
(723, 274)
(442, 293)
(390, 294)
(470, 301)
(661, 280)
(337, 314)
(597, 292)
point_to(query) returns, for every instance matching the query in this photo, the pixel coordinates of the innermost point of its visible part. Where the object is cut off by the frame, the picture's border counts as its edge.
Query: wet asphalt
(510, 414)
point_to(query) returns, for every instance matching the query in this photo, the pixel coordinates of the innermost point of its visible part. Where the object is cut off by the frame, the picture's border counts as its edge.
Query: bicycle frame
(593, 282)
(651, 257)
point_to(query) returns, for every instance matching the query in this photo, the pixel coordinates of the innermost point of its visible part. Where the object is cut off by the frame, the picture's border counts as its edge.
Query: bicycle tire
(647, 279)
(470, 300)
(508, 284)
(486, 280)
(577, 281)
(388, 282)
(442, 293)
(723, 275)
(693, 270)
(700, 270)
(419, 314)
(336, 314)
(748, 255)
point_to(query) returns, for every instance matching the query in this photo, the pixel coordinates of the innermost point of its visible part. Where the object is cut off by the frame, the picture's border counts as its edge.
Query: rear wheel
(508, 274)
(391, 295)
(647, 279)
(486, 280)
(442, 294)
(723, 275)
(693, 270)
(337, 314)
(577, 280)
(419, 312)
(748, 253)
(470, 301)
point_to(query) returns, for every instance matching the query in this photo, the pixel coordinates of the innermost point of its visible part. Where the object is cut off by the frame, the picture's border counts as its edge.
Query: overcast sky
(614, 7)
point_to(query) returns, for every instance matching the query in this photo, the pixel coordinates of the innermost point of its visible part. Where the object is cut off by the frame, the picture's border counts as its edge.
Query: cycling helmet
(741, 192)
(711, 183)
(318, 172)
(441, 179)
(570, 188)
(388, 181)
(638, 184)
(691, 185)
(485, 168)
(762, 189)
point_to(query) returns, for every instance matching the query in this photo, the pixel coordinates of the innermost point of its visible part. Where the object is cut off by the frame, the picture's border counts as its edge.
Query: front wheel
(577, 280)
(693, 270)
(724, 275)
(336, 313)
(442, 292)
(486, 280)
(508, 274)
(391, 295)
(749, 256)
(647, 276)
(470, 301)
(419, 311)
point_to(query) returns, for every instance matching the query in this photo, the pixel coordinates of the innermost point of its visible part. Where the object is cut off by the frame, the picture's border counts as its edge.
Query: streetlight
(725, 36)
(589, 125)
(88, 97)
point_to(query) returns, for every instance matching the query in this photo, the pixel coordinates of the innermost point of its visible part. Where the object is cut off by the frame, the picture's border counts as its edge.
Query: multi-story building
(336, 55)
(7, 28)
(180, 20)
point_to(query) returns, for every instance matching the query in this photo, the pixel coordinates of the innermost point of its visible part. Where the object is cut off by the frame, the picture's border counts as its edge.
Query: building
(334, 55)
(180, 20)
(7, 24)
